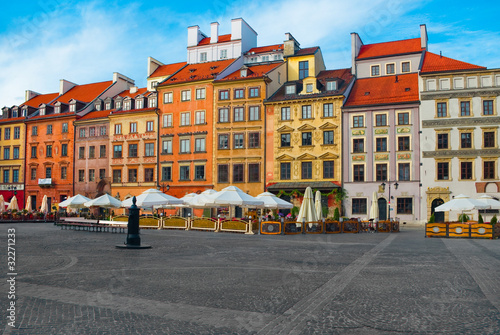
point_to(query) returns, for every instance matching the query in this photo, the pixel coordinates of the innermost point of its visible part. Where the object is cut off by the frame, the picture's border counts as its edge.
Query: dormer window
(15, 113)
(24, 112)
(309, 88)
(154, 84)
(331, 85)
(303, 69)
(107, 105)
(139, 104)
(72, 107)
(152, 102)
(126, 105)
(57, 109)
(97, 107)
(290, 89)
(118, 104)
(42, 111)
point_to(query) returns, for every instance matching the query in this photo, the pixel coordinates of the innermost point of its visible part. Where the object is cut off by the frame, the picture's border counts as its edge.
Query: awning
(301, 186)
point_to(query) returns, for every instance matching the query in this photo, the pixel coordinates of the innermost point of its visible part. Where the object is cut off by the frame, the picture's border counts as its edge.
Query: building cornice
(461, 153)
(462, 122)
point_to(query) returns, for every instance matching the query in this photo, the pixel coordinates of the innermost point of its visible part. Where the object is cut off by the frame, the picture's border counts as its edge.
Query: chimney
(194, 36)
(133, 89)
(65, 86)
(423, 36)
(290, 45)
(214, 32)
(356, 45)
(30, 95)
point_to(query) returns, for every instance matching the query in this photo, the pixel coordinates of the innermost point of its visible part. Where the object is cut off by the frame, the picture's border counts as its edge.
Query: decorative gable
(285, 157)
(328, 156)
(306, 127)
(306, 157)
(285, 129)
(328, 125)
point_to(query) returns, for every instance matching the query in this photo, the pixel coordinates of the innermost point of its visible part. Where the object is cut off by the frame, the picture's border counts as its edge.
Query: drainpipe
(74, 154)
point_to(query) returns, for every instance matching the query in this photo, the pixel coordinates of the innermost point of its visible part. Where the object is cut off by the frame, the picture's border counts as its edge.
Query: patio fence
(462, 230)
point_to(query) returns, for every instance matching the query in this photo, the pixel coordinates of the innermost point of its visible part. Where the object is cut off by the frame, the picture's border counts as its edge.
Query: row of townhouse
(403, 128)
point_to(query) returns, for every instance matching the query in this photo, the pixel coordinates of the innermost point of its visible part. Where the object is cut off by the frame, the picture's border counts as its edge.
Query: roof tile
(198, 71)
(438, 63)
(255, 71)
(40, 99)
(390, 48)
(221, 39)
(166, 70)
(84, 93)
(268, 48)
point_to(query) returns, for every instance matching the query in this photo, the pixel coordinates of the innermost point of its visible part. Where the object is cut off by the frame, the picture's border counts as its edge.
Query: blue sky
(83, 42)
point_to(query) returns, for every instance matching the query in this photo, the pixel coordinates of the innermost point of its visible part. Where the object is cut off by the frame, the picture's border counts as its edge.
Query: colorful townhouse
(459, 121)
(12, 148)
(50, 138)
(304, 126)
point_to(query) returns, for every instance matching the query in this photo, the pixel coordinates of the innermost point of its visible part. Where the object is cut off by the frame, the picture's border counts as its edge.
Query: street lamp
(13, 189)
(163, 186)
(389, 203)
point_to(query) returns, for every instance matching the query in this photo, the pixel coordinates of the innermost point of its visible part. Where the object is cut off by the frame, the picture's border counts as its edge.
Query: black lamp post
(163, 186)
(13, 189)
(389, 203)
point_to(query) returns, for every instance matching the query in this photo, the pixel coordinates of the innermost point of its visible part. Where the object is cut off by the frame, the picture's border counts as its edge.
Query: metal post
(133, 236)
(303, 225)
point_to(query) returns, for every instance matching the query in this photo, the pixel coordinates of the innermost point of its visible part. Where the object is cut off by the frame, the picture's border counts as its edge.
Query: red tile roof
(168, 69)
(222, 39)
(121, 111)
(40, 99)
(127, 93)
(390, 48)
(269, 48)
(96, 115)
(384, 90)
(85, 93)
(344, 74)
(12, 120)
(50, 116)
(437, 63)
(306, 51)
(199, 71)
(255, 71)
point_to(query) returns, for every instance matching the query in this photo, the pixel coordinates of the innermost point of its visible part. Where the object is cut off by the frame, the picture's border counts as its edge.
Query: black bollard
(133, 236)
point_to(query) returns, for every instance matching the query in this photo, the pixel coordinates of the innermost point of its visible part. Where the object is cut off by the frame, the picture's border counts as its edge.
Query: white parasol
(233, 196)
(28, 204)
(307, 210)
(374, 207)
(318, 207)
(76, 201)
(272, 201)
(152, 197)
(13, 204)
(45, 205)
(105, 201)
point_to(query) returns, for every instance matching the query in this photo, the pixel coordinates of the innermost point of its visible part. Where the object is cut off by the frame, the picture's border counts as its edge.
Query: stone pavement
(191, 282)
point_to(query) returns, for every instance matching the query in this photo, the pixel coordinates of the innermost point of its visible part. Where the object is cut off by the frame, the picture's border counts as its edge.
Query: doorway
(382, 209)
(438, 216)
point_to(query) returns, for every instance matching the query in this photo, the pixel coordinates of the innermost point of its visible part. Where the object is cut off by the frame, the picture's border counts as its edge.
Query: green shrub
(336, 214)
(295, 211)
(494, 220)
(463, 218)
(432, 219)
(480, 219)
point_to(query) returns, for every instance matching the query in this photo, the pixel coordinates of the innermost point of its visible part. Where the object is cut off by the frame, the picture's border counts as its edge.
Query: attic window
(290, 89)
(331, 85)
(192, 70)
(57, 109)
(367, 93)
(24, 112)
(213, 67)
(72, 107)
(407, 89)
(42, 111)
(192, 77)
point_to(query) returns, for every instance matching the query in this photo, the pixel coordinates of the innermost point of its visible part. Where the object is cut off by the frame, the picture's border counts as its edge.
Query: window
(358, 121)
(65, 127)
(254, 92)
(327, 110)
(239, 141)
(185, 145)
(443, 171)
(285, 140)
(328, 137)
(442, 141)
(358, 145)
(239, 93)
(381, 172)
(49, 150)
(132, 175)
(404, 143)
(223, 141)
(148, 175)
(149, 149)
(254, 113)
(254, 140)
(117, 151)
(92, 151)
(92, 131)
(81, 152)
(186, 95)
(132, 150)
(15, 153)
(381, 120)
(489, 139)
(331, 85)
(167, 120)
(441, 109)
(33, 151)
(185, 119)
(102, 151)
(306, 112)
(118, 104)
(290, 89)
(487, 107)
(166, 147)
(466, 140)
(139, 104)
(358, 172)
(48, 172)
(285, 171)
(199, 172)
(224, 115)
(285, 113)
(489, 170)
(239, 114)
(328, 171)
(168, 97)
(306, 170)
(126, 105)
(133, 127)
(381, 144)
(464, 108)
(6, 176)
(404, 171)
(49, 129)
(253, 173)
(17, 133)
(33, 174)
(91, 175)
(403, 118)
(117, 176)
(358, 206)
(309, 88)
(81, 175)
(238, 173)
(303, 70)
(64, 172)
(6, 153)
(102, 173)
(166, 173)
(200, 93)
(223, 94)
(203, 57)
(389, 69)
(199, 145)
(82, 132)
(405, 67)
(223, 173)
(307, 138)
(404, 206)
(152, 102)
(118, 129)
(150, 126)
(107, 106)
(375, 70)
(466, 170)
(34, 130)
(7, 134)
(199, 117)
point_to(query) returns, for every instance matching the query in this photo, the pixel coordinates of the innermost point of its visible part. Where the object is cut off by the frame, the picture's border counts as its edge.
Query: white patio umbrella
(28, 204)
(488, 200)
(374, 207)
(233, 196)
(2, 203)
(307, 210)
(203, 200)
(45, 205)
(317, 206)
(152, 197)
(13, 204)
(461, 203)
(105, 201)
(272, 201)
(77, 201)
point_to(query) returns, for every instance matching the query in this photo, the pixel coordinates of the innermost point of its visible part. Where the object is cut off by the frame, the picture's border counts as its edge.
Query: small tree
(432, 219)
(463, 218)
(336, 214)
(295, 211)
(494, 220)
(480, 219)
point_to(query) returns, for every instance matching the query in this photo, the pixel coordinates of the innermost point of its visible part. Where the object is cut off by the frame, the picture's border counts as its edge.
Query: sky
(42, 42)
